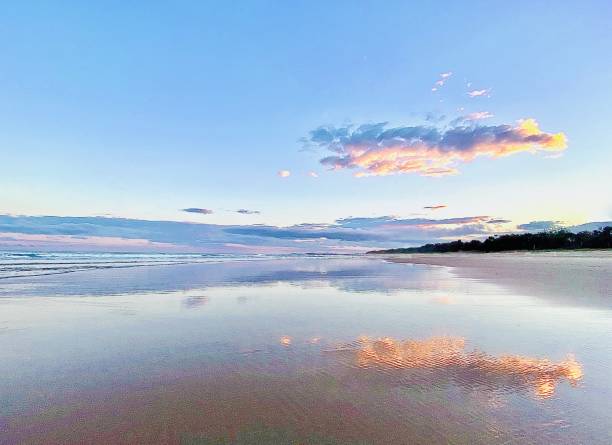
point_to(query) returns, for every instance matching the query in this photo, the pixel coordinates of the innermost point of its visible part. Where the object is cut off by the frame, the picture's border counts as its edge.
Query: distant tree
(557, 239)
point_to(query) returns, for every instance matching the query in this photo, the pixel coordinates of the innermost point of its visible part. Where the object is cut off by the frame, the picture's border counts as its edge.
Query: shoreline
(571, 277)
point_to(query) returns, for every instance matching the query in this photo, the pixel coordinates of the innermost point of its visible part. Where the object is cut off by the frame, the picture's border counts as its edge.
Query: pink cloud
(480, 93)
(442, 80)
(81, 242)
(374, 150)
(478, 115)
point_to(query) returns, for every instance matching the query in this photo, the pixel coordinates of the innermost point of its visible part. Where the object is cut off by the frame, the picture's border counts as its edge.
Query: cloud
(441, 81)
(377, 150)
(391, 221)
(198, 210)
(590, 226)
(470, 118)
(434, 117)
(417, 230)
(284, 173)
(248, 212)
(542, 226)
(535, 226)
(435, 207)
(343, 235)
(478, 115)
(499, 221)
(347, 234)
(304, 232)
(53, 242)
(480, 93)
(313, 174)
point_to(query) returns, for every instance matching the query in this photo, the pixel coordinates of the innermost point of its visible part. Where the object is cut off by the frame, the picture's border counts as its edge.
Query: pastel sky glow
(280, 127)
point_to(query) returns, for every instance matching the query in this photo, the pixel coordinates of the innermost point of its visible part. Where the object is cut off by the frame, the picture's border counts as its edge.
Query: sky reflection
(468, 368)
(302, 340)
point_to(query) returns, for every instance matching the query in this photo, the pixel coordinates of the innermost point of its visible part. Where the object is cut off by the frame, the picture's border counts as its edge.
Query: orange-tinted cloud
(375, 150)
(285, 340)
(449, 354)
(284, 173)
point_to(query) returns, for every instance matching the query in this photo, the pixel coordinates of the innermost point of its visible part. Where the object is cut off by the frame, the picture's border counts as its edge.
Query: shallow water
(298, 350)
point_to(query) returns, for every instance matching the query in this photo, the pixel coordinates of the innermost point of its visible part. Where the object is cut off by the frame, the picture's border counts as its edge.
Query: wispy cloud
(441, 81)
(198, 210)
(479, 115)
(376, 150)
(470, 119)
(284, 173)
(435, 207)
(248, 212)
(480, 93)
(10, 240)
(313, 174)
(499, 221)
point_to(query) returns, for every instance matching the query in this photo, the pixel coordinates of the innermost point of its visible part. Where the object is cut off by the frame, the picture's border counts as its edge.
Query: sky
(300, 126)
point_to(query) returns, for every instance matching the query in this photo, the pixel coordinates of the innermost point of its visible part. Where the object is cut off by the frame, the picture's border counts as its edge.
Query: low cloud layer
(378, 150)
(351, 234)
(539, 226)
(344, 235)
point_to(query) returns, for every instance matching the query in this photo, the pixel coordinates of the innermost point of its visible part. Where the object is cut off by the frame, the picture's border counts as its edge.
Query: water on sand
(298, 350)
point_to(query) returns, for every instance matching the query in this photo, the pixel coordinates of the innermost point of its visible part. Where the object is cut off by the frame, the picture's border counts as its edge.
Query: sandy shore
(576, 278)
(347, 350)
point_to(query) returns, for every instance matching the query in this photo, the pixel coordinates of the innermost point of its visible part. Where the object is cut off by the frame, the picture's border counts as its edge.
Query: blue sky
(134, 110)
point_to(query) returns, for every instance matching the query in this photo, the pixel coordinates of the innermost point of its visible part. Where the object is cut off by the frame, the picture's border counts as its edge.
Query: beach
(425, 349)
(575, 277)
(306, 223)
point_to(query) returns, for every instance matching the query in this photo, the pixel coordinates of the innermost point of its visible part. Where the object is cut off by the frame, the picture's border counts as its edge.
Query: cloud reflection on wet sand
(468, 368)
(309, 391)
(193, 359)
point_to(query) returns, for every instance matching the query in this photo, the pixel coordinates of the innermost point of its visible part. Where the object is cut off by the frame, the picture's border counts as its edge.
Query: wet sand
(575, 278)
(302, 351)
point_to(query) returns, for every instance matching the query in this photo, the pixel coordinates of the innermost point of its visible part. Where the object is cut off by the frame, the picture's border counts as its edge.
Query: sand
(576, 278)
(312, 351)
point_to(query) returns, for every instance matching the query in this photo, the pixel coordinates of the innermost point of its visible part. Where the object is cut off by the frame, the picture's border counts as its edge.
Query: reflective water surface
(298, 351)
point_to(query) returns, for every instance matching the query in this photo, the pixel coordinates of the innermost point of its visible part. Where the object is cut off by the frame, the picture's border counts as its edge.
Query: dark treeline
(560, 239)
